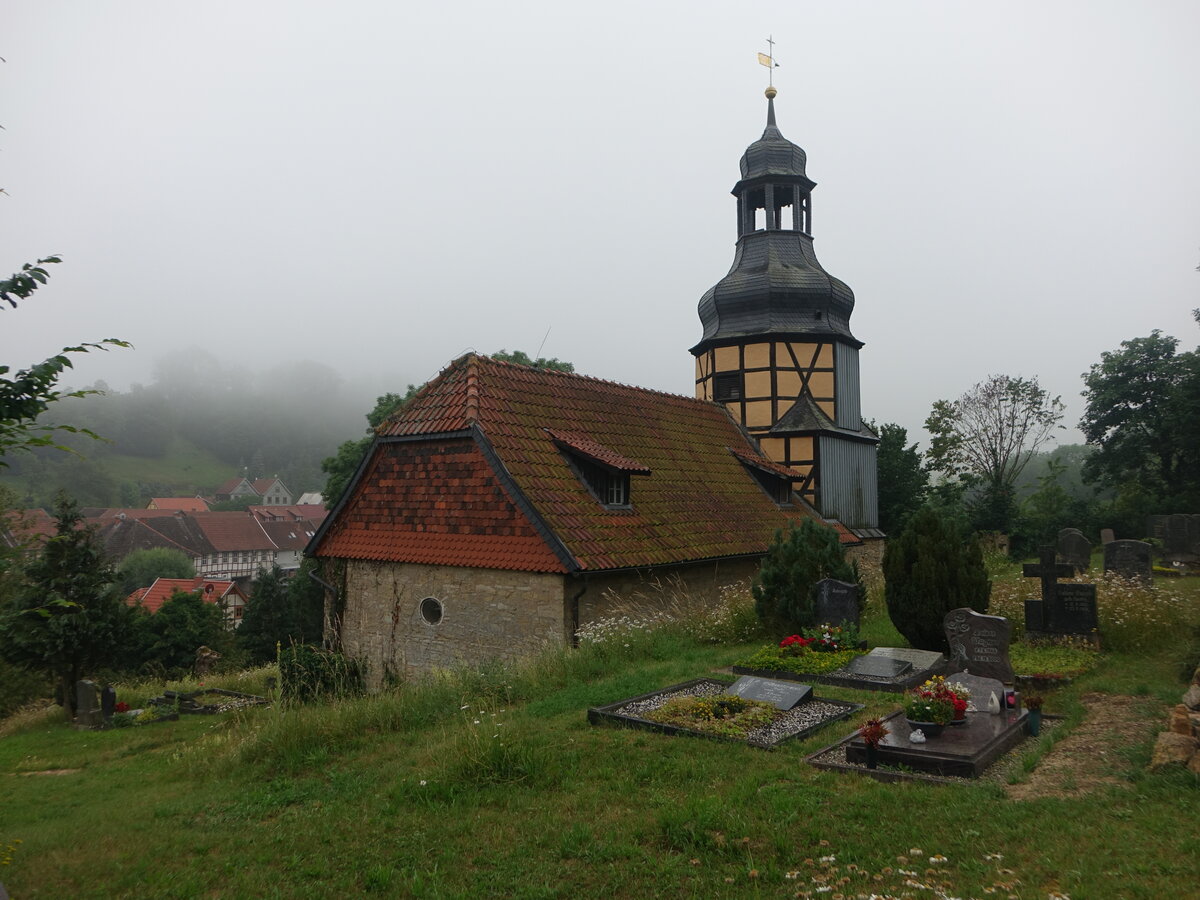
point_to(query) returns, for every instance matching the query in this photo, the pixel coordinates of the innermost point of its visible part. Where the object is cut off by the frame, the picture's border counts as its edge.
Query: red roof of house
(262, 485)
(26, 527)
(315, 512)
(233, 531)
(433, 492)
(228, 487)
(187, 504)
(152, 598)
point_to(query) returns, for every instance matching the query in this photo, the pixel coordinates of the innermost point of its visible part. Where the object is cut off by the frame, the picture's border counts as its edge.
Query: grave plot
(894, 669)
(963, 751)
(792, 710)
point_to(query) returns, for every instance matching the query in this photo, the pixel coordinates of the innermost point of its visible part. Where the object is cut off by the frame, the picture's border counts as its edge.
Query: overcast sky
(1008, 188)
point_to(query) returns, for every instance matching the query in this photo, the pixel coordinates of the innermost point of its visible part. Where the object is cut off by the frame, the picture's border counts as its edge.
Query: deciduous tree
(987, 436)
(1143, 415)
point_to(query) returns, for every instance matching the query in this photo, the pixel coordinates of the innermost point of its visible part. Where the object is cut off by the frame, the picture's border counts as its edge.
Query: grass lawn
(494, 784)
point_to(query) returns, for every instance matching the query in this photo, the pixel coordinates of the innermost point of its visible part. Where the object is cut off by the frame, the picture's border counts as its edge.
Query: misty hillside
(200, 423)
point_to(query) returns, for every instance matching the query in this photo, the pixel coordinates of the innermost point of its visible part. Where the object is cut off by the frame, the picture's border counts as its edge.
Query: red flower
(121, 706)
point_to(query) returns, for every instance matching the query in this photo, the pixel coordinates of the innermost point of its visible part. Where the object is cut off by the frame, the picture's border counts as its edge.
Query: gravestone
(1074, 610)
(837, 602)
(206, 659)
(1075, 549)
(1156, 527)
(87, 705)
(1107, 536)
(981, 688)
(781, 694)
(878, 666)
(108, 702)
(979, 643)
(1177, 545)
(1129, 559)
(1048, 571)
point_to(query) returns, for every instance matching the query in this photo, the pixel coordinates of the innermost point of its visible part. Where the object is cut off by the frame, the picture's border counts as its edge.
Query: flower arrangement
(1034, 701)
(957, 695)
(827, 638)
(872, 732)
(924, 706)
(795, 645)
(121, 707)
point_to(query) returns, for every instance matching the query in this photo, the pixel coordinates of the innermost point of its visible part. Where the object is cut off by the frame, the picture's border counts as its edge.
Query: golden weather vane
(768, 59)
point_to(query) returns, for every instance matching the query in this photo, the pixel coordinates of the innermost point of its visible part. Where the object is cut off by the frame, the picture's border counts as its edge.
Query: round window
(431, 610)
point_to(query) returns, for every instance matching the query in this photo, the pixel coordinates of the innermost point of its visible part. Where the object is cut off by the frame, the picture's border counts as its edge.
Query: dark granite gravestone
(1129, 559)
(837, 602)
(979, 643)
(1048, 571)
(981, 689)
(1156, 527)
(1107, 536)
(1176, 544)
(878, 666)
(108, 702)
(964, 751)
(87, 705)
(1193, 538)
(1074, 610)
(1074, 549)
(781, 694)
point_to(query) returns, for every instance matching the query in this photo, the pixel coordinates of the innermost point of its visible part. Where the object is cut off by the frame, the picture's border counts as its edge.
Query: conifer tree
(784, 589)
(68, 621)
(931, 570)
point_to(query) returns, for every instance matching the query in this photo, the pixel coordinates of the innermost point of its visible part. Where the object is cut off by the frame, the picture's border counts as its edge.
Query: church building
(506, 507)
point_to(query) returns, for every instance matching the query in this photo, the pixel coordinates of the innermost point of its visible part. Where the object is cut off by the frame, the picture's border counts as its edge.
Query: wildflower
(424, 782)
(828, 859)
(792, 875)
(937, 859)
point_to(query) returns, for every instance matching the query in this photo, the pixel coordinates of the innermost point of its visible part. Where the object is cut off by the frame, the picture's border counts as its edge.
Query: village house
(226, 594)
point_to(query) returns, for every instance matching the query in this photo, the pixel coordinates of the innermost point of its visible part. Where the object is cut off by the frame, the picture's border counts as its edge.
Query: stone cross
(1049, 572)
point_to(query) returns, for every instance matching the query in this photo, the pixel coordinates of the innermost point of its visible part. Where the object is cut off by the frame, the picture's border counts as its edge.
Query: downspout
(575, 612)
(329, 589)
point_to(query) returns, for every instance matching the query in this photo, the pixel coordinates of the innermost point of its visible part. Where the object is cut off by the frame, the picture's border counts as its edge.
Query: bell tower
(777, 348)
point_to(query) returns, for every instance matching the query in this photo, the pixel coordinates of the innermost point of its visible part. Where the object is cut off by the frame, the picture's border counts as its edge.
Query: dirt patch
(1085, 759)
(50, 772)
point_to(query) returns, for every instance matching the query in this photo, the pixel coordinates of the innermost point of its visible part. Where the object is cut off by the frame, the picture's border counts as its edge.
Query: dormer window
(774, 479)
(605, 472)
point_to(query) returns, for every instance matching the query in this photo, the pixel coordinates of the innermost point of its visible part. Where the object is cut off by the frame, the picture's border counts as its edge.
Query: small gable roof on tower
(490, 465)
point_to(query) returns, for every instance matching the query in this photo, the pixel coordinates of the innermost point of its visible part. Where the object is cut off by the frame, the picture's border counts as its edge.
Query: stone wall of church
(621, 593)
(405, 619)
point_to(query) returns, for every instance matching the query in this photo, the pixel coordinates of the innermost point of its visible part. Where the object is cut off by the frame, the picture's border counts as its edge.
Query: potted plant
(872, 732)
(929, 713)
(1033, 703)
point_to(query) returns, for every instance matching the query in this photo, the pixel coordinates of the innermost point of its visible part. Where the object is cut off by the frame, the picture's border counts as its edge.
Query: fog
(380, 186)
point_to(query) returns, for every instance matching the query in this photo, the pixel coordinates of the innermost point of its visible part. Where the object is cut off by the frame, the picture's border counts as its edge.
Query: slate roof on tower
(483, 468)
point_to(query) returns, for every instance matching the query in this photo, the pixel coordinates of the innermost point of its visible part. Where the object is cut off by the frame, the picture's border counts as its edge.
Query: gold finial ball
(771, 92)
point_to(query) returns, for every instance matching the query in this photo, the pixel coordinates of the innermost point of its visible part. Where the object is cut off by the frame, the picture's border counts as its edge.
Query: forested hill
(198, 424)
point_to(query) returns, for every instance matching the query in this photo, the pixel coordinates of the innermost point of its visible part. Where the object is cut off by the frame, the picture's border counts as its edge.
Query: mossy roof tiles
(690, 498)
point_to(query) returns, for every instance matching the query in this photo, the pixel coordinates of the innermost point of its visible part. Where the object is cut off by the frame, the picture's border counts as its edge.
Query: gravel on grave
(1000, 771)
(788, 723)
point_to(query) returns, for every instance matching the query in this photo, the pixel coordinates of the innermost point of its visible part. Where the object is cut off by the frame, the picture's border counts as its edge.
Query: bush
(929, 571)
(784, 589)
(306, 673)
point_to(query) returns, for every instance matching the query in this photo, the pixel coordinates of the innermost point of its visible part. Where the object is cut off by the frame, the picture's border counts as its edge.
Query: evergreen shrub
(930, 570)
(784, 588)
(307, 672)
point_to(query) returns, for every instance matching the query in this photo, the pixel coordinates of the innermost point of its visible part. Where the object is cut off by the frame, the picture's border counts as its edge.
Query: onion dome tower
(777, 348)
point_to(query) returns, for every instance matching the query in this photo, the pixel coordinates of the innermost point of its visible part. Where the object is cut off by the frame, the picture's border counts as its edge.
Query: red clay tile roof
(187, 504)
(315, 512)
(436, 502)
(152, 598)
(417, 501)
(586, 446)
(233, 531)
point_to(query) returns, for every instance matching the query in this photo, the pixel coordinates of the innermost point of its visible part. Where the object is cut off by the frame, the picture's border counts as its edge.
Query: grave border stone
(607, 713)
